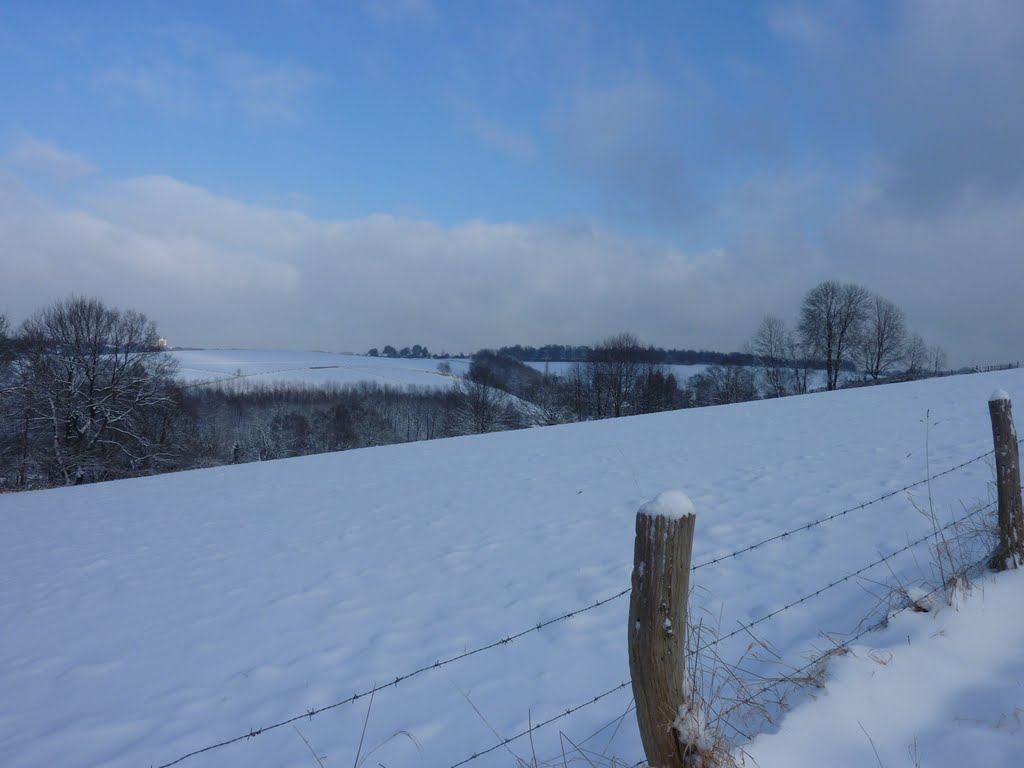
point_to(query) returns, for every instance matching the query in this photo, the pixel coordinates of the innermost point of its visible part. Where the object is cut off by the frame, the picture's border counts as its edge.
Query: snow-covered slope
(931, 690)
(249, 366)
(267, 366)
(141, 620)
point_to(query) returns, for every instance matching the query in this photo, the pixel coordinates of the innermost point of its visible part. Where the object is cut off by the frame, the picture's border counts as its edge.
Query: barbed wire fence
(798, 676)
(565, 616)
(744, 628)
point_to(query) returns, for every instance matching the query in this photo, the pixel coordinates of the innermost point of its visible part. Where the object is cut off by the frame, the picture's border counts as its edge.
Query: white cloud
(217, 271)
(957, 276)
(44, 157)
(192, 71)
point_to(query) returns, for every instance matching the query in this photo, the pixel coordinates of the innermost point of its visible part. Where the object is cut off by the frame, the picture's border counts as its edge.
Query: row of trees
(232, 424)
(87, 393)
(416, 351)
(840, 326)
(622, 377)
(570, 353)
(619, 377)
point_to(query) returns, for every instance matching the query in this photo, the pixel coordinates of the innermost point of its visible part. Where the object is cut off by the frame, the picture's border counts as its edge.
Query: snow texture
(143, 619)
(244, 366)
(999, 394)
(690, 725)
(939, 689)
(669, 504)
(248, 366)
(691, 728)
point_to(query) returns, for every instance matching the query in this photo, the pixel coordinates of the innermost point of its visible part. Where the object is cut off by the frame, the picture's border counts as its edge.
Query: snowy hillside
(147, 619)
(228, 366)
(269, 366)
(266, 366)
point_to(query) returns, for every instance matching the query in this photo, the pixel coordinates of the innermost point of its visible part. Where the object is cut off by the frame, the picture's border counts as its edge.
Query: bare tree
(831, 319)
(915, 356)
(723, 384)
(937, 359)
(6, 349)
(577, 392)
(621, 377)
(617, 366)
(774, 348)
(884, 336)
(799, 360)
(5, 334)
(12, 448)
(96, 382)
(481, 408)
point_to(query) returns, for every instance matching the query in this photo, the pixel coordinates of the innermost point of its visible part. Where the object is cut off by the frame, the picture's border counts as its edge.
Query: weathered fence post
(657, 623)
(1010, 549)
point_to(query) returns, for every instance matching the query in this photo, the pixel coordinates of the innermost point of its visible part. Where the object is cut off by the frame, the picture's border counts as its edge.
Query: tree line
(416, 351)
(842, 326)
(87, 392)
(573, 353)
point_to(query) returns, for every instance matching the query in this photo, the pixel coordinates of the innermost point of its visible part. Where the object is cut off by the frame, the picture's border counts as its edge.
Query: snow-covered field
(145, 619)
(313, 368)
(246, 366)
(264, 366)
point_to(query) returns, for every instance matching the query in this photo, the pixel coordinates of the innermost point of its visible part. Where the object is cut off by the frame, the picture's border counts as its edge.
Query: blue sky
(346, 175)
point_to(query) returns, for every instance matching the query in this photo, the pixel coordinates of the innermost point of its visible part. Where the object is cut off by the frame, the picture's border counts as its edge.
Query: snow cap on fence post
(670, 504)
(657, 625)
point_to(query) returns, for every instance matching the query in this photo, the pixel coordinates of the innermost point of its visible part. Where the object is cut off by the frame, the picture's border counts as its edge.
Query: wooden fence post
(1010, 549)
(657, 623)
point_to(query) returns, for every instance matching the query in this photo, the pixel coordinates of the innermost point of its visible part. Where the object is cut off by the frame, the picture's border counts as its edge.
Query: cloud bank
(219, 272)
(215, 271)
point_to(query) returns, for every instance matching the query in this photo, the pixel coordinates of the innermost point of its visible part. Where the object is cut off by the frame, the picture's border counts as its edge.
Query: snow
(999, 394)
(691, 728)
(145, 619)
(246, 366)
(312, 368)
(672, 505)
(944, 687)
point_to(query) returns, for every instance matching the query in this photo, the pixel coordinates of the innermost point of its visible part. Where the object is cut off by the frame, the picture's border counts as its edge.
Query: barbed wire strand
(538, 726)
(848, 577)
(572, 710)
(310, 713)
(848, 510)
(796, 676)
